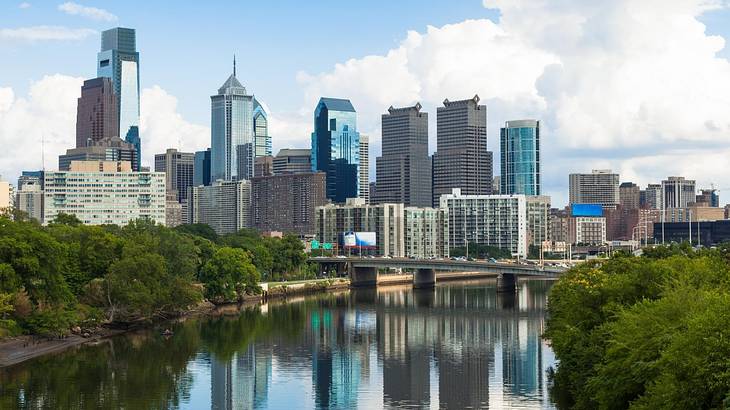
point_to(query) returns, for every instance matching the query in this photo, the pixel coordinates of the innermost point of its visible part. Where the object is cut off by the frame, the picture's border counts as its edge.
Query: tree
(228, 275)
(201, 230)
(66, 219)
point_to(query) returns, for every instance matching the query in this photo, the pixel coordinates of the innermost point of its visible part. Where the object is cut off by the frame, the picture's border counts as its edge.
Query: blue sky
(636, 86)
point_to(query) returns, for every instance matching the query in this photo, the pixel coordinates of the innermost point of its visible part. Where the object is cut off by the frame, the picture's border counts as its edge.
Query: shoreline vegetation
(644, 332)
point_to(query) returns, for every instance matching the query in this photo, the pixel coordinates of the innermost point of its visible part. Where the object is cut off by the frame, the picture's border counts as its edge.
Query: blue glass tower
(201, 168)
(520, 157)
(231, 132)
(336, 147)
(261, 131)
(119, 60)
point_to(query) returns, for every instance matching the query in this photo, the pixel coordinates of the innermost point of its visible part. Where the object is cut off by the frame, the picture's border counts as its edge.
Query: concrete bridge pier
(424, 278)
(506, 282)
(362, 276)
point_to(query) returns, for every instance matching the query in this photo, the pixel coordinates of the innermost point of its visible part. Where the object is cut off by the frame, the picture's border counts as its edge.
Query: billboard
(359, 239)
(577, 210)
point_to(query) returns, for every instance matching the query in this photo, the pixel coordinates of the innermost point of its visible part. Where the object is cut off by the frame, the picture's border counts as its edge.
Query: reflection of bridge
(364, 271)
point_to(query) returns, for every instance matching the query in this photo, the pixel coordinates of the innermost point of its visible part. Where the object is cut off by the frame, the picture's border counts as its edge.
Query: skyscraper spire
(234, 65)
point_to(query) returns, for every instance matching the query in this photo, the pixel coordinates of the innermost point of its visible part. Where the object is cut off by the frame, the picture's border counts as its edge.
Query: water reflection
(461, 345)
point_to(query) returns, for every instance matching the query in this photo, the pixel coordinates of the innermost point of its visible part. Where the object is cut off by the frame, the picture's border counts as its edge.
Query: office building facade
(262, 139)
(653, 197)
(364, 169)
(461, 159)
(336, 147)
(629, 195)
(119, 61)
(492, 220)
(231, 132)
(403, 171)
(678, 192)
(97, 114)
(292, 161)
(29, 198)
(201, 168)
(287, 202)
(104, 192)
(223, 205)
(520, 157)
(105, 149)
(600, 187)
(179, 170)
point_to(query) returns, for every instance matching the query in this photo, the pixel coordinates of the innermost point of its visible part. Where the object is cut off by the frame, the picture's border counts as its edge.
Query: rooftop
(337, 104)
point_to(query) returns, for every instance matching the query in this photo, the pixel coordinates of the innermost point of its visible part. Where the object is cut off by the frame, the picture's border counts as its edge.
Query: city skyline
(664, 140)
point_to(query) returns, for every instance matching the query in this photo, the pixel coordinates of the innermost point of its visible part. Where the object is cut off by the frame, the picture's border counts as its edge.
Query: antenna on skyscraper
(234, 65)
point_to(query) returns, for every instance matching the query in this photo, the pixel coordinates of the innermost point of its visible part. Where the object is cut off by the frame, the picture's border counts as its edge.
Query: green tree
(228, 275)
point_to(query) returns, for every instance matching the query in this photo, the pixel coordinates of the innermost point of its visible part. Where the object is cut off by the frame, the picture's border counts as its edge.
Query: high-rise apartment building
(653, 196)
(286, 202)
(678, 192)
(599, 187)
(179, 171)
(629, 195)
(119, 61)
(232, 131)
(461, 159)
(201, 168)
(97, 114)
(263, 166)
(426, 232)
(105, 149)
(520, 157)
(336, 147)
(118, 194)
(493, 220)
(403, 171)
(364, 169)
(292, 161)
(223, 205)
(538, 219)
(29, 196)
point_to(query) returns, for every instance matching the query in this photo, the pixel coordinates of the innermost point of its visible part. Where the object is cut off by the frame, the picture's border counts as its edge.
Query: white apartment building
(600, 187)
(224, 205)
(104, 192)
(29, 199)
(493, 220)
(588, 230)
(426, 232)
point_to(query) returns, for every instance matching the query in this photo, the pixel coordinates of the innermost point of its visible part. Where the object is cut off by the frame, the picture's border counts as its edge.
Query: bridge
(364, 271)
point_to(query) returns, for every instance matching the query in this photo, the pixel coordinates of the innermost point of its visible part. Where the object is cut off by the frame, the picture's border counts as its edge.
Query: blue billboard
(586, 210)
(359, 239)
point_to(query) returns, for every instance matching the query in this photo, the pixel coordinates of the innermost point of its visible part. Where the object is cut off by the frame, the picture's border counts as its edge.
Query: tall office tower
(97, 115)
(599, 187)
(262, 139)
(520, 157)
(224, 205)
(403, 171)
(364, 169)
(201, 168)
(292, 161)
(629, 195)
(231, 131)
(678, 192)
(461, 159)
(336, 147)
(653, 194)
(178, 168)
(105, 149)
(119, 61)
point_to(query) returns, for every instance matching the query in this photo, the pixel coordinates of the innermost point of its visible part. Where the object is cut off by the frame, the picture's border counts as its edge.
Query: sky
(641, 87)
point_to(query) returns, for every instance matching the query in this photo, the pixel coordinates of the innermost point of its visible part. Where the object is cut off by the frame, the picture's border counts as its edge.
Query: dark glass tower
(520, 157)
(97, 116)
(336, 147)
(403, 171)
(119, 60)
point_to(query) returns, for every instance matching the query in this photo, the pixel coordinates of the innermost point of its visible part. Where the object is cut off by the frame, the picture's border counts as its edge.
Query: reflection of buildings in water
(522, 357)
(242, 382)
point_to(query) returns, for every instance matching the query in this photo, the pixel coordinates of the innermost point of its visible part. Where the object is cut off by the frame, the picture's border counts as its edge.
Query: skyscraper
(336, 147)
(97, 114)
(678, 192)
(461, 159)
(599, 187)
(119, 60)
(231, 131)
(178, 168)
(262, 139)
(201, 168)
(364, 177)
(403, 171)
(520, 157)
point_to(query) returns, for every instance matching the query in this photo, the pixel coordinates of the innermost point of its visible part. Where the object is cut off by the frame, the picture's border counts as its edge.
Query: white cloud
(93, 13)
(24, 5)
(162, 127)
(621, 84)
(41, 33)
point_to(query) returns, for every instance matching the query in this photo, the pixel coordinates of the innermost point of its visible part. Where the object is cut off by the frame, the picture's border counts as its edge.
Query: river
(462, 345)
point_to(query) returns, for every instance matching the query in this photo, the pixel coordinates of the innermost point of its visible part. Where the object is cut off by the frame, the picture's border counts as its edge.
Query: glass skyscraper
(232, 131)
(336, 147)
(119, 60)
(520, 157)
(261, 131)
